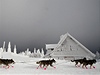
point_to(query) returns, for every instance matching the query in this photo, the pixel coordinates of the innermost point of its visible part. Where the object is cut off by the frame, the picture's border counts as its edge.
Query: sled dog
(79, 61)
(45, 63)
(6, 62)
(89, 62)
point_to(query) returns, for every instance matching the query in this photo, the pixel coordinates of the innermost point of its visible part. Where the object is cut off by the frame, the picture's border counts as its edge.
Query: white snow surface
(27, 66)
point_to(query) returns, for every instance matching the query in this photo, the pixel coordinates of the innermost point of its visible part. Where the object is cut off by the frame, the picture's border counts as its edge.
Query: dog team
(84, 62)
(45, 63)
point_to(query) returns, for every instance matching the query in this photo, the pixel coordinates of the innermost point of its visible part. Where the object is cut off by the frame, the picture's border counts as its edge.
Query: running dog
(79, 61)
(89, 62)
(6, 62)
(45, 63)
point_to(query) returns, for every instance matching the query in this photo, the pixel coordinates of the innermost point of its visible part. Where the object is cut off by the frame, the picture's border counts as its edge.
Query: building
(50, 47)
(68, 48)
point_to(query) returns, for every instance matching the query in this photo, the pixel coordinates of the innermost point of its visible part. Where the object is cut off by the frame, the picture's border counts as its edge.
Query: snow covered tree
(4, 49)
(9, 47)
(38, 53)
(42, 52)
(15, 50)
(27, 52)
(23, 53)
(1, 50)
(34, 50)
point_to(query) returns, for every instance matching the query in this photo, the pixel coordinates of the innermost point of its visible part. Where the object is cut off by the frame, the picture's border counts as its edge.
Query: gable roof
(63, 38)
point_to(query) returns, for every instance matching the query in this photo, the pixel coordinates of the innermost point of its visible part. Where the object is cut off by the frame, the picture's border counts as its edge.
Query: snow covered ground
(28, 66)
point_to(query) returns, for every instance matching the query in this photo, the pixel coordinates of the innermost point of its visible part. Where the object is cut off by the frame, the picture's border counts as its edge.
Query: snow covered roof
(63, 38)
(50, 46)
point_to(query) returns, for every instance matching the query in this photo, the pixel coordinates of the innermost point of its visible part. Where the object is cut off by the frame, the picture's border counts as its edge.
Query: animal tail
(72, 60)
(38, 62)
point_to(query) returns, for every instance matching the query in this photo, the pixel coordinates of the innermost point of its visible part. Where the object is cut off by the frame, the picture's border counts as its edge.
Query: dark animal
(89, 62)
(6, 62)
(45, 63)
(79, 61)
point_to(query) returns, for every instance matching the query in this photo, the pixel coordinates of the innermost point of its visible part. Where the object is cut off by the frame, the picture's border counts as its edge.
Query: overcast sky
(33, 23)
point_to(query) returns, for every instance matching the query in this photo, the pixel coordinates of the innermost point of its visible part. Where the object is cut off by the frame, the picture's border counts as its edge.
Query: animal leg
(12, 66)
(4, 66)
(86, 67)
(93, 66)
(38, 66)
(79, 65)
(90, 66)
(76, 64)
(7, 67)
(45, 67)
(83, 66)
(52, 66)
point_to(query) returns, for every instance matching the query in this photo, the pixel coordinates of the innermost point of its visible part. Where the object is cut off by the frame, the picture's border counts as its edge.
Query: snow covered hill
(27, 66)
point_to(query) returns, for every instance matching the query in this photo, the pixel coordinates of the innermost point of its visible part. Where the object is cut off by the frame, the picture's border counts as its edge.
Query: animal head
(94, 61)
(53, 60)
(11, 61)
(84, 58)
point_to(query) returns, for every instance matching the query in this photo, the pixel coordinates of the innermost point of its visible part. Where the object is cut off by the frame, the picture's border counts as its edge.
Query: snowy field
(28, 66)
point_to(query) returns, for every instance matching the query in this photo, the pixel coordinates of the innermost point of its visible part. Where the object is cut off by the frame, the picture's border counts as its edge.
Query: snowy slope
(28, 66)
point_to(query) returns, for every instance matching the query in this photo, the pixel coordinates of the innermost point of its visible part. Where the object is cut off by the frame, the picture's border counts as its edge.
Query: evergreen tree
(9, 47)
(15, 50)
